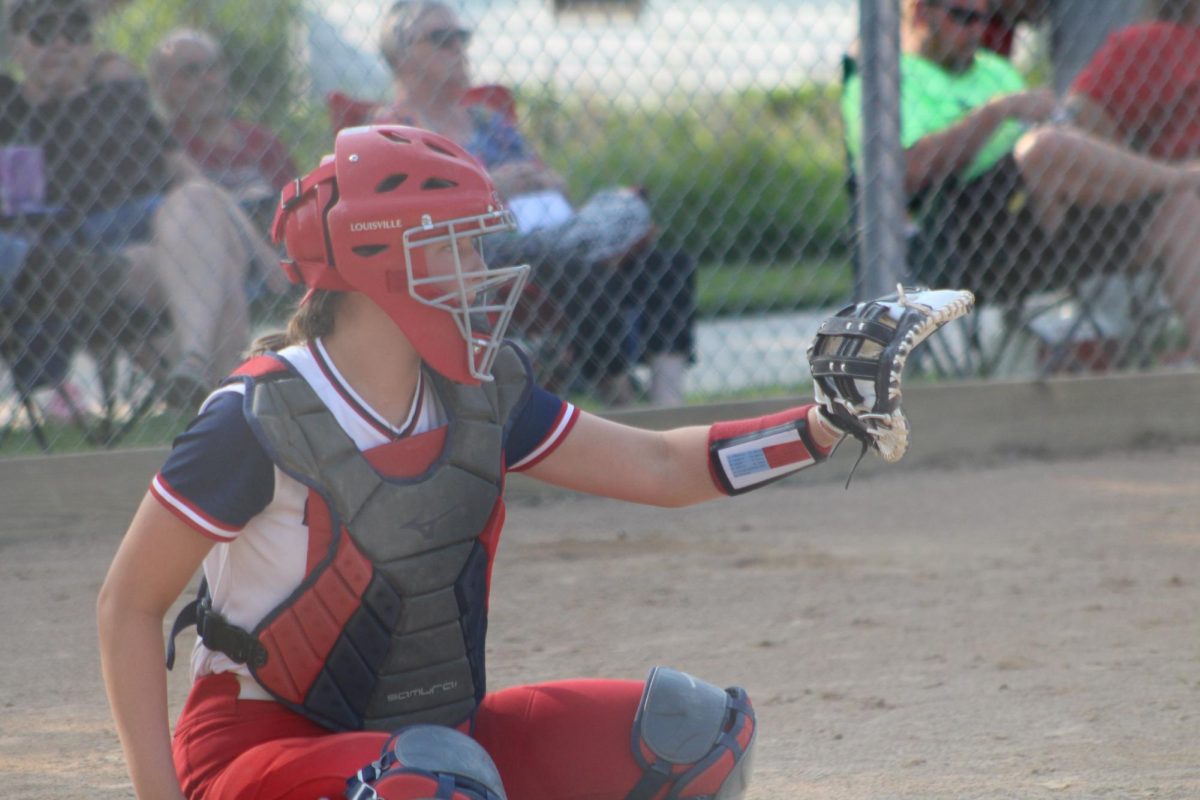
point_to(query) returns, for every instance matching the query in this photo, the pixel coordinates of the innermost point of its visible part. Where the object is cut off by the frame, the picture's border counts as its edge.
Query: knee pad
(692, 738)
(428, 762)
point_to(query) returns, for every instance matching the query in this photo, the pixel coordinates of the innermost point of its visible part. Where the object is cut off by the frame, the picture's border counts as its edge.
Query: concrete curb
(985, 421)
(964, 422)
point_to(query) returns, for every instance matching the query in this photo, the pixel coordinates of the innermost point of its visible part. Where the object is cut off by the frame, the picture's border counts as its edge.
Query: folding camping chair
(60, 304)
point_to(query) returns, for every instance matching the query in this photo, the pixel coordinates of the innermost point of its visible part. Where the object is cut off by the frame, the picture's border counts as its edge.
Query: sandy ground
(1023, 629)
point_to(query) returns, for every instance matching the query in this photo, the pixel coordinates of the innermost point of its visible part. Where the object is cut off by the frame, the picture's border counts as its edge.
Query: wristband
(748, 453)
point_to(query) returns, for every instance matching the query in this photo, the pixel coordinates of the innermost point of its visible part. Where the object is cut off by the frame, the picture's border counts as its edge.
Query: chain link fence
(698, 184)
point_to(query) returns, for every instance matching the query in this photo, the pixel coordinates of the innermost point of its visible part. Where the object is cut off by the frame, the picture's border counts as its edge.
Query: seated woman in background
(190, 81)
(597, 260)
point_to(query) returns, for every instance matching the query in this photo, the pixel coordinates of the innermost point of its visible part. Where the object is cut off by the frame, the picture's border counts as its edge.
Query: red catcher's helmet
(364, 220)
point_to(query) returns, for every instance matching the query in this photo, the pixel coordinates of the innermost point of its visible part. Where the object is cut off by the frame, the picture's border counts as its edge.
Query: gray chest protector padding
(388, 630)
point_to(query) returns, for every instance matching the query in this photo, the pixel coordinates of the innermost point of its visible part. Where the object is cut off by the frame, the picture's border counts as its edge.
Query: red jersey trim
(259, 366)
(319, 356)
(568, 415)
(189, 513)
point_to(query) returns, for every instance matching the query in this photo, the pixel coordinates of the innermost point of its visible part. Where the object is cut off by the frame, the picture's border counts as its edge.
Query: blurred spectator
(1000, 28)
(1008, 204)
(109, 65)
(1142, 87)
(190, 81)
(596, 260)
(105, 176)
(1000, 32)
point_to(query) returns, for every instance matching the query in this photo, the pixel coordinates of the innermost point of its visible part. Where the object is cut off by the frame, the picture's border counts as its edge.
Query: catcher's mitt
(858, 356)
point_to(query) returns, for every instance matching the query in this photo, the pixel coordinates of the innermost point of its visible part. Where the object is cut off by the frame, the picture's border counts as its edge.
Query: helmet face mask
(396, 213)
(446, 270)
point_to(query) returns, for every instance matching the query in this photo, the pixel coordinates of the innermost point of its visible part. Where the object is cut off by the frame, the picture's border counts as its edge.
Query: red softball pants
(568, 740)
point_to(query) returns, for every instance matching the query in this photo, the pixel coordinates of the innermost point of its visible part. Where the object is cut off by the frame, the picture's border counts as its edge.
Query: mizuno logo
(376, 225)
(428, 691)
(428, 527)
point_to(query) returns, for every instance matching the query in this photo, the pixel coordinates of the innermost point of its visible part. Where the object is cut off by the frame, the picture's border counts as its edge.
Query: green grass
(153, 431)
(732, 289)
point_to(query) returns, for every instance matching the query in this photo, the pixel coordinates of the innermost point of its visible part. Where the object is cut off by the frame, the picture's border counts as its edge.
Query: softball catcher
(343, 493)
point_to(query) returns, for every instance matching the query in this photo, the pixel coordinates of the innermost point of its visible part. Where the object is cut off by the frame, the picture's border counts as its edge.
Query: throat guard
(388, 628)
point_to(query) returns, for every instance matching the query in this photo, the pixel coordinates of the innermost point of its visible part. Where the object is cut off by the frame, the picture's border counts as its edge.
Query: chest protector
(387, 629)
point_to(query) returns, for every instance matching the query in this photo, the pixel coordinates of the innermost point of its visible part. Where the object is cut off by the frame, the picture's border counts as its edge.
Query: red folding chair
(346, 111)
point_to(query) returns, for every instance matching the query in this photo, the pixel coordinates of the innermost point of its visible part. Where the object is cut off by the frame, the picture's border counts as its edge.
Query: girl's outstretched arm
(664, 468)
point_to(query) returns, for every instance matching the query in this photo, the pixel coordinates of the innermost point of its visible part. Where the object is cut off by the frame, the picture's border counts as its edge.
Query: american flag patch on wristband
(763, 459)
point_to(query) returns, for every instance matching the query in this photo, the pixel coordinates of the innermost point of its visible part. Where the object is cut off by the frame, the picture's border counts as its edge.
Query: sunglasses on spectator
(960, 15)
(75, 27)
(447, 38)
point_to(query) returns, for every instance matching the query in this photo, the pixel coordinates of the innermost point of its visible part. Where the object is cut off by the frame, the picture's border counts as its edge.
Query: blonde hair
(313, 319)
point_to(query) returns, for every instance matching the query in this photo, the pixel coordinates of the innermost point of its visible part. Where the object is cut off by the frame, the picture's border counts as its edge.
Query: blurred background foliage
(751, 181)
(739, 177)
(748, 180)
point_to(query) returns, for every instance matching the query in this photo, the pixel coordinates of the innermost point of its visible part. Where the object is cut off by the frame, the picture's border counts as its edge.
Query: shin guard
(428, 762)
(692, 738)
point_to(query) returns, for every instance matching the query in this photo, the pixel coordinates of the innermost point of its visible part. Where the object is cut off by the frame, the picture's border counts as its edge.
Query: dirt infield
(1021, 630)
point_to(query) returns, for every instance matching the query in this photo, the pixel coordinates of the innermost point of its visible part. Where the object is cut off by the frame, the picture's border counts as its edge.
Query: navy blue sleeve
(217, 476)
(539, 426)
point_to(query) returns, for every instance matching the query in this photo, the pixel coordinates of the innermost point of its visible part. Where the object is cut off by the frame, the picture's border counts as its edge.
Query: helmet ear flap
(300, 224)
(304, 232)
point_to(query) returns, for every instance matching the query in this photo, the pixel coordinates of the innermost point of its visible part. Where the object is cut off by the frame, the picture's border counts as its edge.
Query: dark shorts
(983, 236)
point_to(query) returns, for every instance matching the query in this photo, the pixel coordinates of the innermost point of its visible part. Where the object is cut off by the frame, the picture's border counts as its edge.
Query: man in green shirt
(1010, 202)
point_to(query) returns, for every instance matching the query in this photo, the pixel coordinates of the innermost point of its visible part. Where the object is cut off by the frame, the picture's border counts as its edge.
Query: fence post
(881, 186)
